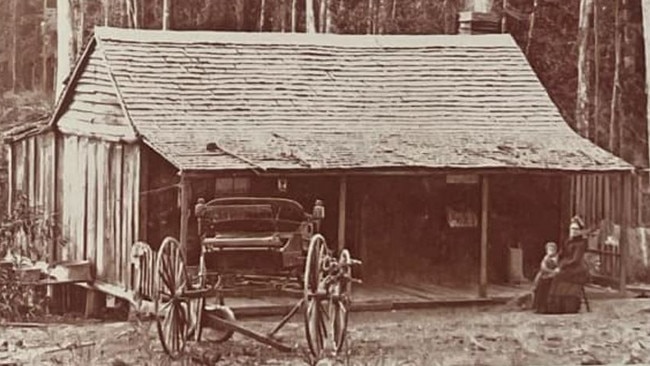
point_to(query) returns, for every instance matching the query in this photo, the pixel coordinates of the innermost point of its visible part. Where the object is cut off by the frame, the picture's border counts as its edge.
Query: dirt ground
(615, 332)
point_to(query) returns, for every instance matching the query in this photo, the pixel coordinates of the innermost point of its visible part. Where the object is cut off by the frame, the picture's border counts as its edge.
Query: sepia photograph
(324, 182)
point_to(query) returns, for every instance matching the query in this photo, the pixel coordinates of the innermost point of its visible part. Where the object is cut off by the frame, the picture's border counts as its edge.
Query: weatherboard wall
(32, 172)
(99, 173)
(99, 204)
(88, 173)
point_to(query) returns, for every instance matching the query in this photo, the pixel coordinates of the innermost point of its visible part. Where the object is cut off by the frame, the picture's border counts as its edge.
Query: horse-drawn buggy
(248, 241)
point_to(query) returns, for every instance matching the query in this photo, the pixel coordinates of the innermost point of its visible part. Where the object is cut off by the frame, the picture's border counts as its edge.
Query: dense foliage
(26, 236)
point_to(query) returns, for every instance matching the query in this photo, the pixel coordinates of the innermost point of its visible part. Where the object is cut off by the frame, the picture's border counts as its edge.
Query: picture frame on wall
(461, 217)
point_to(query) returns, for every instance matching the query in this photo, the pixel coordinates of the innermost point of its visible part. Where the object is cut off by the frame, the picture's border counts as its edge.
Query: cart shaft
(287, 317)
(214, 321)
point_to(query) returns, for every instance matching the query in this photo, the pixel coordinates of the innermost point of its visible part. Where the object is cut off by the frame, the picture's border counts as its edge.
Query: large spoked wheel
(315, 329)
(339, 308)
(197, 305)
(172, 310)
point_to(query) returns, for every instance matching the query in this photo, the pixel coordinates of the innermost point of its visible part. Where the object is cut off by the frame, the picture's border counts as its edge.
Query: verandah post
(185, 211)
(626, 204)
(485, 193)
(343, 189)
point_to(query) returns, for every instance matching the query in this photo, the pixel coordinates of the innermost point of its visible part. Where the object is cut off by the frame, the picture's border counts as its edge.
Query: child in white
(549, 266)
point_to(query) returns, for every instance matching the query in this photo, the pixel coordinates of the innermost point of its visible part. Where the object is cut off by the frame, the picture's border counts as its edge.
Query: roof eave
(405, 171)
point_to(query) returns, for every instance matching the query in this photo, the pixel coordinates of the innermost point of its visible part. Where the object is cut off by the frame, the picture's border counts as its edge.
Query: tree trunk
(132, 13)
(375, 16)
(596, 130)
(381, 16)
(329, 23)
(310, 26)
(105, 11)
(65, 41)
(504, 17)
(129, 14)
(80, 12)
(614, 122)
(136, 13)
(645, 11)
(531, 27)
(14, 46)
(583, 104)
(239, 14)
(262, 14)
(322, 16)
(370, 12)
(394, 8)
(294, 4)
(445, 16)
(166, 12)
(283, 16)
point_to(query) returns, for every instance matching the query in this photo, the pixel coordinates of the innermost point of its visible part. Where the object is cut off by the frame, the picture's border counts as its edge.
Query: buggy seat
(231, 241)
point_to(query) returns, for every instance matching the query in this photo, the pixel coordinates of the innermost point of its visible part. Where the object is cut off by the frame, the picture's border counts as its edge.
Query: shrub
(26, 236)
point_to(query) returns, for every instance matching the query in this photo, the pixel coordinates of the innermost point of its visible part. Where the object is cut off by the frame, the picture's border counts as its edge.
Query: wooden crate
(73, 271)
(27, 274)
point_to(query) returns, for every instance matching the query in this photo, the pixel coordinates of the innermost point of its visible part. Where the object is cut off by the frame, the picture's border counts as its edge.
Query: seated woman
(565, 287)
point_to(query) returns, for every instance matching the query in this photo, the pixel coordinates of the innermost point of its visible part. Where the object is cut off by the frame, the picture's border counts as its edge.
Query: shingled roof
(317, 101)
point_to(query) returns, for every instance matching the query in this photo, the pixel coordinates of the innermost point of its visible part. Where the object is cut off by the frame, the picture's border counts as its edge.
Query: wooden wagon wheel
(171, 308)
(339, 308)
(198, 308)
(315, 330)
(198, 305)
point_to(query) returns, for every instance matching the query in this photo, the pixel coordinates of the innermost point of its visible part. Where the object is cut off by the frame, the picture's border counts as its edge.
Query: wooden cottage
(433, 154)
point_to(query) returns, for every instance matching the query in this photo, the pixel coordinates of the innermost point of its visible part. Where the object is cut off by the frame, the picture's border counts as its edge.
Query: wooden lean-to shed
(385, 129)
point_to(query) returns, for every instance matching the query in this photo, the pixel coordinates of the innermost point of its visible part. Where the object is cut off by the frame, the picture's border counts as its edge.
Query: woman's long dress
(565, 291)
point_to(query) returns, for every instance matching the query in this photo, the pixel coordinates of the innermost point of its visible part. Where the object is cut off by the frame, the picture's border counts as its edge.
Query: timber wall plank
(102, 182)
(91, 202)
(135, 217)
(116, 190)
(125, 207)
(81, 181)
(109, 219)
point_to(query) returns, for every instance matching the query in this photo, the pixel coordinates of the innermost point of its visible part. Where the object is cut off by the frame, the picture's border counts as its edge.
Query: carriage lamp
(282, 184)
(199, 209)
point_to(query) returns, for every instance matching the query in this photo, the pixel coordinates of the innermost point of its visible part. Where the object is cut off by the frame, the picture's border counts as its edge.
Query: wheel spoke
(320, 330)
(168, 325)
(176, 326)
(165, 275)
(164, 296)
(183, 312)
(316, 334)
(175, 267)
(178, 271)
(321, 321)
(165, 306)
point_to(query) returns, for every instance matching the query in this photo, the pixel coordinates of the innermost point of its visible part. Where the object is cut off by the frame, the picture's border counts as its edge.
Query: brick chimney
(478, 19)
